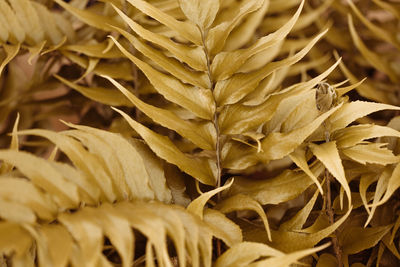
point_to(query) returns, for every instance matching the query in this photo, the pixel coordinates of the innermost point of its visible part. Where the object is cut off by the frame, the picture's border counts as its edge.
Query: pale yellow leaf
(48, 23)
(222, 227)
(5, 167)
(54, 245)
(16, 212)
(197, 100)
(176, 183)
(82, 159)
(119, 231)
(291, 241)
(196, 207)
(353, 135)
(16, 31)
(184, 28)
(352, 111)
(45, 177)
(216, 37)
(14, 239)
(226, 63)
(29, 20)
(117, 70)
(137, 167)
(4, 28)
(238, 118)
(93, 19)
(11, 52)
(106, 158)
(35, 51)
(198, 133)
(328, 154)
(278, 145)
(102, 95)
(244, 202)
(281, 188)
(193, 56)
(304, 113)
(381, 187)
(97, 50)
(246, 30)
(201, 12)
(87, 235)
(242, 254)
(297, 221)
(87, 192)
(154, 168)
(371, 153)
(299, 158)
(21, 191)
(234, 89)
(288, 259)
(288, 106)
(166, 150)
(365, 181)
(55, 47)
(171, 65)
(343, 90)
(392, 185)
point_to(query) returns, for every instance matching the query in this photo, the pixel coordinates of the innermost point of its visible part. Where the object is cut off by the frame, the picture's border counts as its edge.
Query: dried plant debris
(199, 133)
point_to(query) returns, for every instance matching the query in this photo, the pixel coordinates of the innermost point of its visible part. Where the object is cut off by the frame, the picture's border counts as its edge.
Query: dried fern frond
(90, 213)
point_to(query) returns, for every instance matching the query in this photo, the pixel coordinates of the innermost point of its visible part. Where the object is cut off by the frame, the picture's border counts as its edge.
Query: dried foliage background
(199, 133)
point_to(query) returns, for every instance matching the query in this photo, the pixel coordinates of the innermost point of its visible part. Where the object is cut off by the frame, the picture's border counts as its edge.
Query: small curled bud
(325, 97)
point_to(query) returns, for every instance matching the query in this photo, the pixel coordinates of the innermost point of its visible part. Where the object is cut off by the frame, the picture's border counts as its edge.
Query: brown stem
(331, 215)
(335, 242)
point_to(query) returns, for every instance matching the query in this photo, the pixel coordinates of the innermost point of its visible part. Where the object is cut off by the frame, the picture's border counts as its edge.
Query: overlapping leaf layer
(219, 133)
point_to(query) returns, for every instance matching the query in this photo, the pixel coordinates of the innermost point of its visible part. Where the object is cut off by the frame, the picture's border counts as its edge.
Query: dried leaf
(278, 145)
(185, 29)
(93, 19)
(352, 111)
(222, 227)
(196, 207)
(218, 34)
(356, 239)
(46, 177)
(198, 133)
(234, 89)
(353, 135)
(102, 95)
(244, 202)
(242, 254)
(328, 154)
(284, 187)
(201, 13)
(197, 100)
(165, 149)
(194, 57)
(11, 52)
(371, 153)
(226, 63)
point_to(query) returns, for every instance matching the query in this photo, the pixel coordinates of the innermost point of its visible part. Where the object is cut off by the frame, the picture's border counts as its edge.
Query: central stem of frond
(215, 117)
